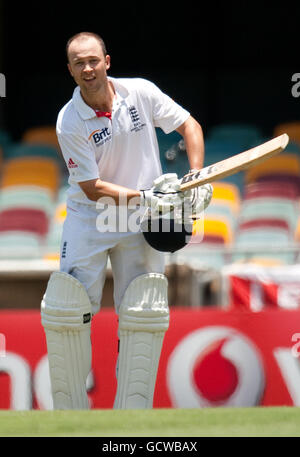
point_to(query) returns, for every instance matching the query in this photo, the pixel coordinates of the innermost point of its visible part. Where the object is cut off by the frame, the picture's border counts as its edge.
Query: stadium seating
(292, 128)
(206, 248)
(33, 171)
(226, 194)
(42, 135)
(271, 188)
(20, 245)
(52, 244)
(243, 135)
(282, 164)
(27, 197)
(172, 153)
(19, 150)
(24, 219)
(263, 243)
(292, 147)
(270, 208)
(22, 231)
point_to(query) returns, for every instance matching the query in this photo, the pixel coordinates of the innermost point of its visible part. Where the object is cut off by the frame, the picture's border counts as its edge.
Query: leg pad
(66, 318)
(143, 321)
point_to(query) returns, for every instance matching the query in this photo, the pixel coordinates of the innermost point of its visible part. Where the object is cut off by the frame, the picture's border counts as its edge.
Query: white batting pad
(143, 321)
(66, 317)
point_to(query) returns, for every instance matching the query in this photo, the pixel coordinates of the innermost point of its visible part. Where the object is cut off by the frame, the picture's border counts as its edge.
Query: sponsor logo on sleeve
(101, 136)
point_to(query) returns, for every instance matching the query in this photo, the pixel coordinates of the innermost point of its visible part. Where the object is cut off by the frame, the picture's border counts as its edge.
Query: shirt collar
(84, 110)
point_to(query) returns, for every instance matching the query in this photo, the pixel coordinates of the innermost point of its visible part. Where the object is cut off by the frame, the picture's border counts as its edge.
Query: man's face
(87, 64)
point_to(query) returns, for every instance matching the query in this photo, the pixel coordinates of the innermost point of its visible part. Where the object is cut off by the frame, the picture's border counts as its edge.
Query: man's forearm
(96, 188)
(192, 134)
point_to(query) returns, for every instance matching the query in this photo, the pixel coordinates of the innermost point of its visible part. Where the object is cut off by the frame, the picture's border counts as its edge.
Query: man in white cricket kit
(107, 136)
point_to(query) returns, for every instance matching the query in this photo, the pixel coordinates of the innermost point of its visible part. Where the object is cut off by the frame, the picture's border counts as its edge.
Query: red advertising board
(211, 357)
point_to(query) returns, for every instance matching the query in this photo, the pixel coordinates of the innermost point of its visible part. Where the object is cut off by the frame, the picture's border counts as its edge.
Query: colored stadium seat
(226, 194)
(282, 179)
(293, 147)
(270, 208)
(52, 245)
(42, 172)
(263, 243)
(216, 150)
(282, 164)
(261, 189)
(219, 211)
(245, 135)
(24, 220)
(264, 222)
(212, 227)
(43, 135)
(202, 256)
(172, 153)
(292, 128)
(27, 197)
(20, 150)
(19, 245)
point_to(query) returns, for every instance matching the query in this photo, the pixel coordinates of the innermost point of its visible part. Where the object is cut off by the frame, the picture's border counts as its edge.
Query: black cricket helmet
(166, 233)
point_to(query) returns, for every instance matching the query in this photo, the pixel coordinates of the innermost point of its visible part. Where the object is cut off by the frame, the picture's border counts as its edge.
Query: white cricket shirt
(124, 149)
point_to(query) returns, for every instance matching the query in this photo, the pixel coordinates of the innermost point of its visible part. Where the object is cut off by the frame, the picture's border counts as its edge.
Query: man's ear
(107, 59)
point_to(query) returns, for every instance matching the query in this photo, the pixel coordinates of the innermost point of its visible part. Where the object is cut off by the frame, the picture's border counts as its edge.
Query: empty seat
(37, 171)
(226, 194)
(270, 188)
(27, 197)
(263, 223)
(217, 150)
(283, 179)
(24, 220)
(53, 240)
(292, 128)
(201, 256)
(293, 147)
(19, 245)
(213, 228)
(246, 135)
(20, 150)
(265, 243)
(172, 153)
(270, 208)
(45, 135)
(282, 164)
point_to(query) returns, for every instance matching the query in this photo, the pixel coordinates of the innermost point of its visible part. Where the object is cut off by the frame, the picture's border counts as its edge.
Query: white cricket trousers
(85, 251)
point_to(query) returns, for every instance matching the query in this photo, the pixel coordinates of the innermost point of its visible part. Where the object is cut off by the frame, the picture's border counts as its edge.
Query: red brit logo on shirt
(72, 164)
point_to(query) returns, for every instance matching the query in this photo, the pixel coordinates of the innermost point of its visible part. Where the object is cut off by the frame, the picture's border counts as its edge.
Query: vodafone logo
(215, 366)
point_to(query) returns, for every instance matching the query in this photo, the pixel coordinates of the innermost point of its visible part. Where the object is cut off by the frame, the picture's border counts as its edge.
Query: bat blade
(235, 163)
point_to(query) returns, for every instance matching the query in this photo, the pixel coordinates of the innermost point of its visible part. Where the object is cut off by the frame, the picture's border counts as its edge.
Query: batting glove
(199, 198)
(165, 194)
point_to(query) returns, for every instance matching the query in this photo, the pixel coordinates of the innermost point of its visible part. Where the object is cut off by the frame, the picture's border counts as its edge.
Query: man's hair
(86, 34)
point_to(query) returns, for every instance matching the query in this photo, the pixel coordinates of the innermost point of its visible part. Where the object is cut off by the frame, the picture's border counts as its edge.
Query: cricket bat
(235, 163)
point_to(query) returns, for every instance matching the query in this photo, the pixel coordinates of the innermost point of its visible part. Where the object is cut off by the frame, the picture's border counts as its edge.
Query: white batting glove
(165, 194)
(199, 198)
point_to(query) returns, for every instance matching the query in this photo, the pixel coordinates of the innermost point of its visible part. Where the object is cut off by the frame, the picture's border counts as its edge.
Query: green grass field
(209, 422)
